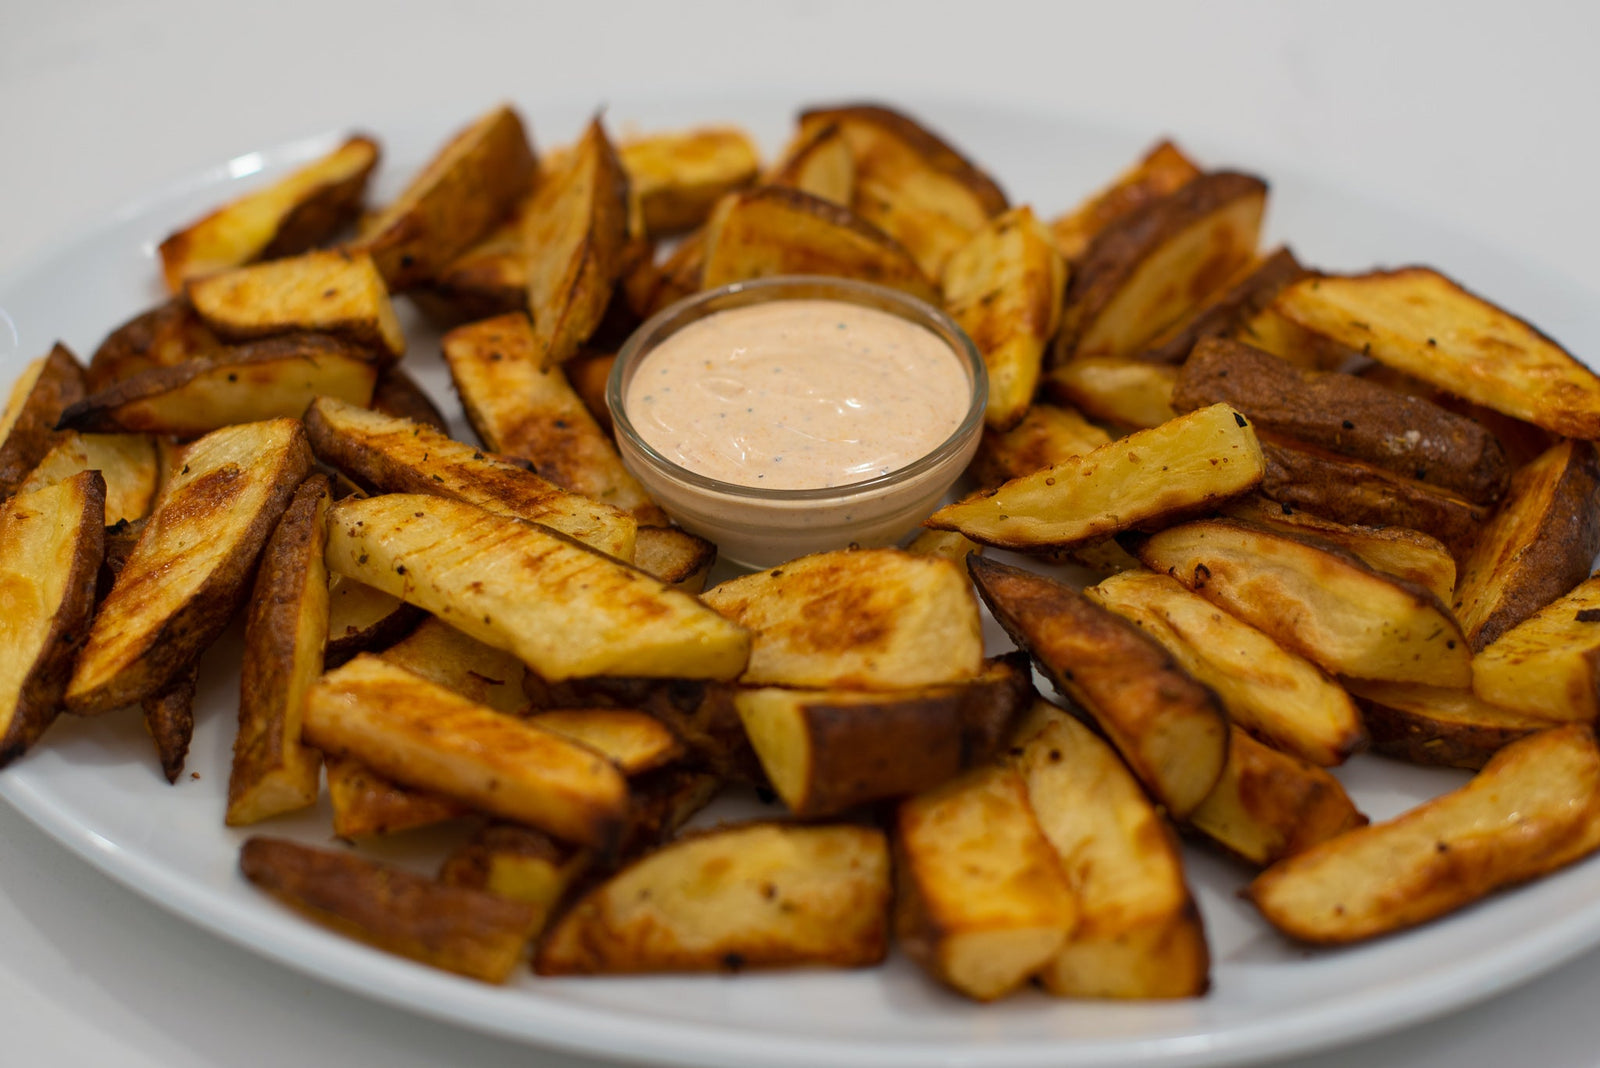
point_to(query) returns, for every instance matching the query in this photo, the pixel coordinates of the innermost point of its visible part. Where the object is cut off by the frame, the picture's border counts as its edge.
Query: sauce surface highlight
(798, 394)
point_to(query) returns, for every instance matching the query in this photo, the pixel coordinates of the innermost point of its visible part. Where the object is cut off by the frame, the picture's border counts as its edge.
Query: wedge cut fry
(192, 564)
(674, 556)
(752, 896)
(361, 617)
(47, 387)
(562, 609)
(400, 456)
(422, 735)
(1046, 435)
(1317, 600)
(473, 182)
(285, 631)
(1163, 169)
(365, 803)
(867, 619)
(166, 335)
(1269, 691)
(1121, 390)
(1438, 725)
(679, 176)
(635, 742)
(1416, 320)
(981, 902)
(1531, 810)
(1226, 311)
(169, 719)
(299, 210)
(1179, 468)
(397, 393)
(518, 863)
(52, 541)
(1138, 933)
(1170, 729)
(818, 161)
(468, 932)
(481, 673)
(126, 461)
(1549, 664)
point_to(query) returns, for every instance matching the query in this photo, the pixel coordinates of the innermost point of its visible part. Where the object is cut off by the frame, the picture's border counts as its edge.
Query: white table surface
(1480, 116)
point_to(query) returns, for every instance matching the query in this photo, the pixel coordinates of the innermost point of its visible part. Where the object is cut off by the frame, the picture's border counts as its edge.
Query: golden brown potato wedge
(575, 233)
(361, 617)
(47, 387)
(1163, 170)
(480, 673)
(366, 804)
(1170, 729)
(269, 379)
(1270, 331)
(1138, 933)
(1269, 805)
(468, 932)
(1226, 311)
(1119, 390)
(1347, 415)
(400, 456)
(52, 541)
(865, 619)
(472, 183)
(336, 292)
(674, 556)
(1046, 435)
(818, 161)
(1316, 599)
(1420, 322)
(1004, 288)
(588, 373)
(1182, 467)
(522, 410)
(1153, 266)
(1265, 689)
(1537, 547)
(758, 895)
(488, 279)
(518, 863)
(945, 543)
(165, 336)
(1438, 725)
(397, 393)
(981, 902)
(773, 230)
(169, 719)
(1549, 664)
(285, 630)
(562, 609)
(423, 735)
(303, 208)
(192, 564)
(126, 461)
(1531, 810)
(635, 742)
(679, 176)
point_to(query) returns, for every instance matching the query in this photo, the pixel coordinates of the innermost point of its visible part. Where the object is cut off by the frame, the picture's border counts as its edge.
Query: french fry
(361, 617)
(818, 161)
(674, 556)
(635, 742)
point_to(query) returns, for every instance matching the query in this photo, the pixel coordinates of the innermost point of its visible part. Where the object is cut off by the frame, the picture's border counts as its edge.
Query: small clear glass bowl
(764, 527)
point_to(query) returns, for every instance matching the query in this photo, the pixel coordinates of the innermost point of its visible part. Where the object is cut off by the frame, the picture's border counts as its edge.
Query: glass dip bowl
(760, 527)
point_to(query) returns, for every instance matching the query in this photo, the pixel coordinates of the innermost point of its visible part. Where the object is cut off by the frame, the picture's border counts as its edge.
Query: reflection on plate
(93, 784)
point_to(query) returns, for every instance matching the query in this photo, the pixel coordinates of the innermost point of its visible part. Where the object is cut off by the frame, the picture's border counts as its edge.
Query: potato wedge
(1227, 310)
(1549, 664)
(361, 617)
(773, 230)
(1270, 331)
(285, 631)
(303, 208)
(1416, 320)
(467, 932)
(679, 176)
(52, 541)
(981, 902)
(1269, 805)
(520, 864)
(1119, 390)
(126, 461)
(1046, 435)
(522, 410)
(1438, 725)
(588, 373)
(398, 394)
(635, 742)
(1162, 170)
(1153, 266)
(562, 609)
(1347, 415)
(758, 895)
(47, 387)
(1004, 288)
(1537, 547)
(1531, 810)
(399, 456)
(674, 556)
(422, 735)
(818, 161)
(575, 233)
(472, 183)
(192, 565)
(1138, 933)
(1182, 467)
(269, 379)
(864, 619)
(165, 336)
(169, 719)
(337, 292)
(1316, 599)
(463, 665)
(366, 804)
(1269, 691)
(945, 543)
(490, 278)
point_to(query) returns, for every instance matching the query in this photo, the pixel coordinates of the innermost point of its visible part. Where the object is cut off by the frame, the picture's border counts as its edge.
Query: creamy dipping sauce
(798, 394)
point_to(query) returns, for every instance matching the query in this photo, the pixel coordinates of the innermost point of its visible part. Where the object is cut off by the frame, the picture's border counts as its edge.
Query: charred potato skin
(1402, 724)
(60, 385)
(169, 717)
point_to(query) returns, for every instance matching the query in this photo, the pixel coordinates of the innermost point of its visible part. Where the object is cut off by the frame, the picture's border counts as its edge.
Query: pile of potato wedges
(1242, 519)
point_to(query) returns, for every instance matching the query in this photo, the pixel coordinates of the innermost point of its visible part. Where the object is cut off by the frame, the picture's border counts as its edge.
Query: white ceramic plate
(94, 786)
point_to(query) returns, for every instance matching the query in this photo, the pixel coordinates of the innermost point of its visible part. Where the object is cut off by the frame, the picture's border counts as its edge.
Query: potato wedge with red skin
(52, 541)
(1438, 725)
(47, 387)
(1531, 810)
(1162, 170)
(1169, 728)
(468, 932)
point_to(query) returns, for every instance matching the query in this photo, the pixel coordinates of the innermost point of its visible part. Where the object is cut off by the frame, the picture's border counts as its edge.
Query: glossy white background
(1473, 116)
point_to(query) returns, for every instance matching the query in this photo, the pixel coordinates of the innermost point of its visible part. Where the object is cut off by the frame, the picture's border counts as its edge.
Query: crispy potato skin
(397, 393)
(28, 426)
(480, 673)
(1433, 725)
(361, 618)
(1169, 728)
(166, 335)
(1347, 415)
(468, 932)
(1223, 314)
(1162, 170)
(169, 717)
(52, 542)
